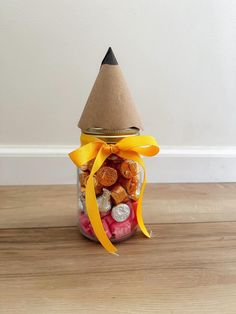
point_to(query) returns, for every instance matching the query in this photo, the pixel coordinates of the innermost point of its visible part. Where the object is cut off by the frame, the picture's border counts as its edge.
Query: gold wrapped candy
(88, 166)
(131, 186)
(119, 194)
(97, 186)
(129, 168)
(83, 176)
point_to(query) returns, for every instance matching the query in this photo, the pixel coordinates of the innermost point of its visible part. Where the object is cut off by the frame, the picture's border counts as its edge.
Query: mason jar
(117, 186)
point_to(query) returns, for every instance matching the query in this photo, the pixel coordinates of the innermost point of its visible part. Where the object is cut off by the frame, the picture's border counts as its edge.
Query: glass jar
(117, 185)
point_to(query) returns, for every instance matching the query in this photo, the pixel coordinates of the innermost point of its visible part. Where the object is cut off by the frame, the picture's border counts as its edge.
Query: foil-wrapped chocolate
(120, 212)
(104, 201)
(81, 203)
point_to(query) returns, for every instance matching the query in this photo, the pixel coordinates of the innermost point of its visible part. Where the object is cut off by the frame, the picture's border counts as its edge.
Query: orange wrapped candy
(131, 186)
(107, 176)
(119, 194)
(129, 168)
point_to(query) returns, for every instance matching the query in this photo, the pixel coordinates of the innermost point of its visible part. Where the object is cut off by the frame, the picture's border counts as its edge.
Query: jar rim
(102, 131)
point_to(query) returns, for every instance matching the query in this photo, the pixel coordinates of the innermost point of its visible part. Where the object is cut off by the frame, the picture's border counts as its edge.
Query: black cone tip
(109, 58)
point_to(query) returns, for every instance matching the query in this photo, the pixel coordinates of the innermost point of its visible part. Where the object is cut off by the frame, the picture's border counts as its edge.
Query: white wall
(179, 58)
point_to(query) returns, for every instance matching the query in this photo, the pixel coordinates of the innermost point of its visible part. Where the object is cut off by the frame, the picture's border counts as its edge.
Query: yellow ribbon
(129, 148)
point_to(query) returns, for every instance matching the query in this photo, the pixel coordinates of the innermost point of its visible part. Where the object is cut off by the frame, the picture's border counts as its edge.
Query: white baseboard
(23, 165)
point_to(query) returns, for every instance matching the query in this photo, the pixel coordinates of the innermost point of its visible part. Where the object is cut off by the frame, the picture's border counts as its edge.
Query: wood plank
(185, 268)
(37, 206)
(48, 206)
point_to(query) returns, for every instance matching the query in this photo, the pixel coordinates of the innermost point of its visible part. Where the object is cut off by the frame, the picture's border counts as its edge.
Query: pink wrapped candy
(106, 228)
(104, 214)
(133, 209)
(109, 219)
(85, 224)
(112, 228)
(91, 232)
(121, 229)
(84, 220)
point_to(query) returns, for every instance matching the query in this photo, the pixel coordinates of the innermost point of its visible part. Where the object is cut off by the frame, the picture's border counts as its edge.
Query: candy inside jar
(117, 186)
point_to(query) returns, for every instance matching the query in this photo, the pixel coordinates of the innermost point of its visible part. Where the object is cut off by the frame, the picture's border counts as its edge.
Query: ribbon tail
(92, 206)
(139, 208)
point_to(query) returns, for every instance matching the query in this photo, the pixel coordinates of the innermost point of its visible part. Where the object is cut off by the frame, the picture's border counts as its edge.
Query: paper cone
(110, 105)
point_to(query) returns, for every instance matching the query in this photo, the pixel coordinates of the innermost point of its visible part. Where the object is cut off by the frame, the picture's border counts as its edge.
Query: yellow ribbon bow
(128, 148)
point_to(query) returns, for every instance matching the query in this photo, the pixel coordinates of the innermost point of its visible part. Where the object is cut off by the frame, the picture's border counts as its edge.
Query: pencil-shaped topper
(110, 105)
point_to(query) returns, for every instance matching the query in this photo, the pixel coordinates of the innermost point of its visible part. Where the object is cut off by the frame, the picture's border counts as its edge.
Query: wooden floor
(189, 266)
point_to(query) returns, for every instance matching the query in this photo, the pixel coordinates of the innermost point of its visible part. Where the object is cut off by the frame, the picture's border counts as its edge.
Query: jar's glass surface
(117, 185)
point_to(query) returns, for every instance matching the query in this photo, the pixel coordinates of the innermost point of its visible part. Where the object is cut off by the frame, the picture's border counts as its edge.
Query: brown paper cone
(110, 105)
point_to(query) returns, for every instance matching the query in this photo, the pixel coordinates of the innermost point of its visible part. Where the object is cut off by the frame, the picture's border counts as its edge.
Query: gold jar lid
(111, 136)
